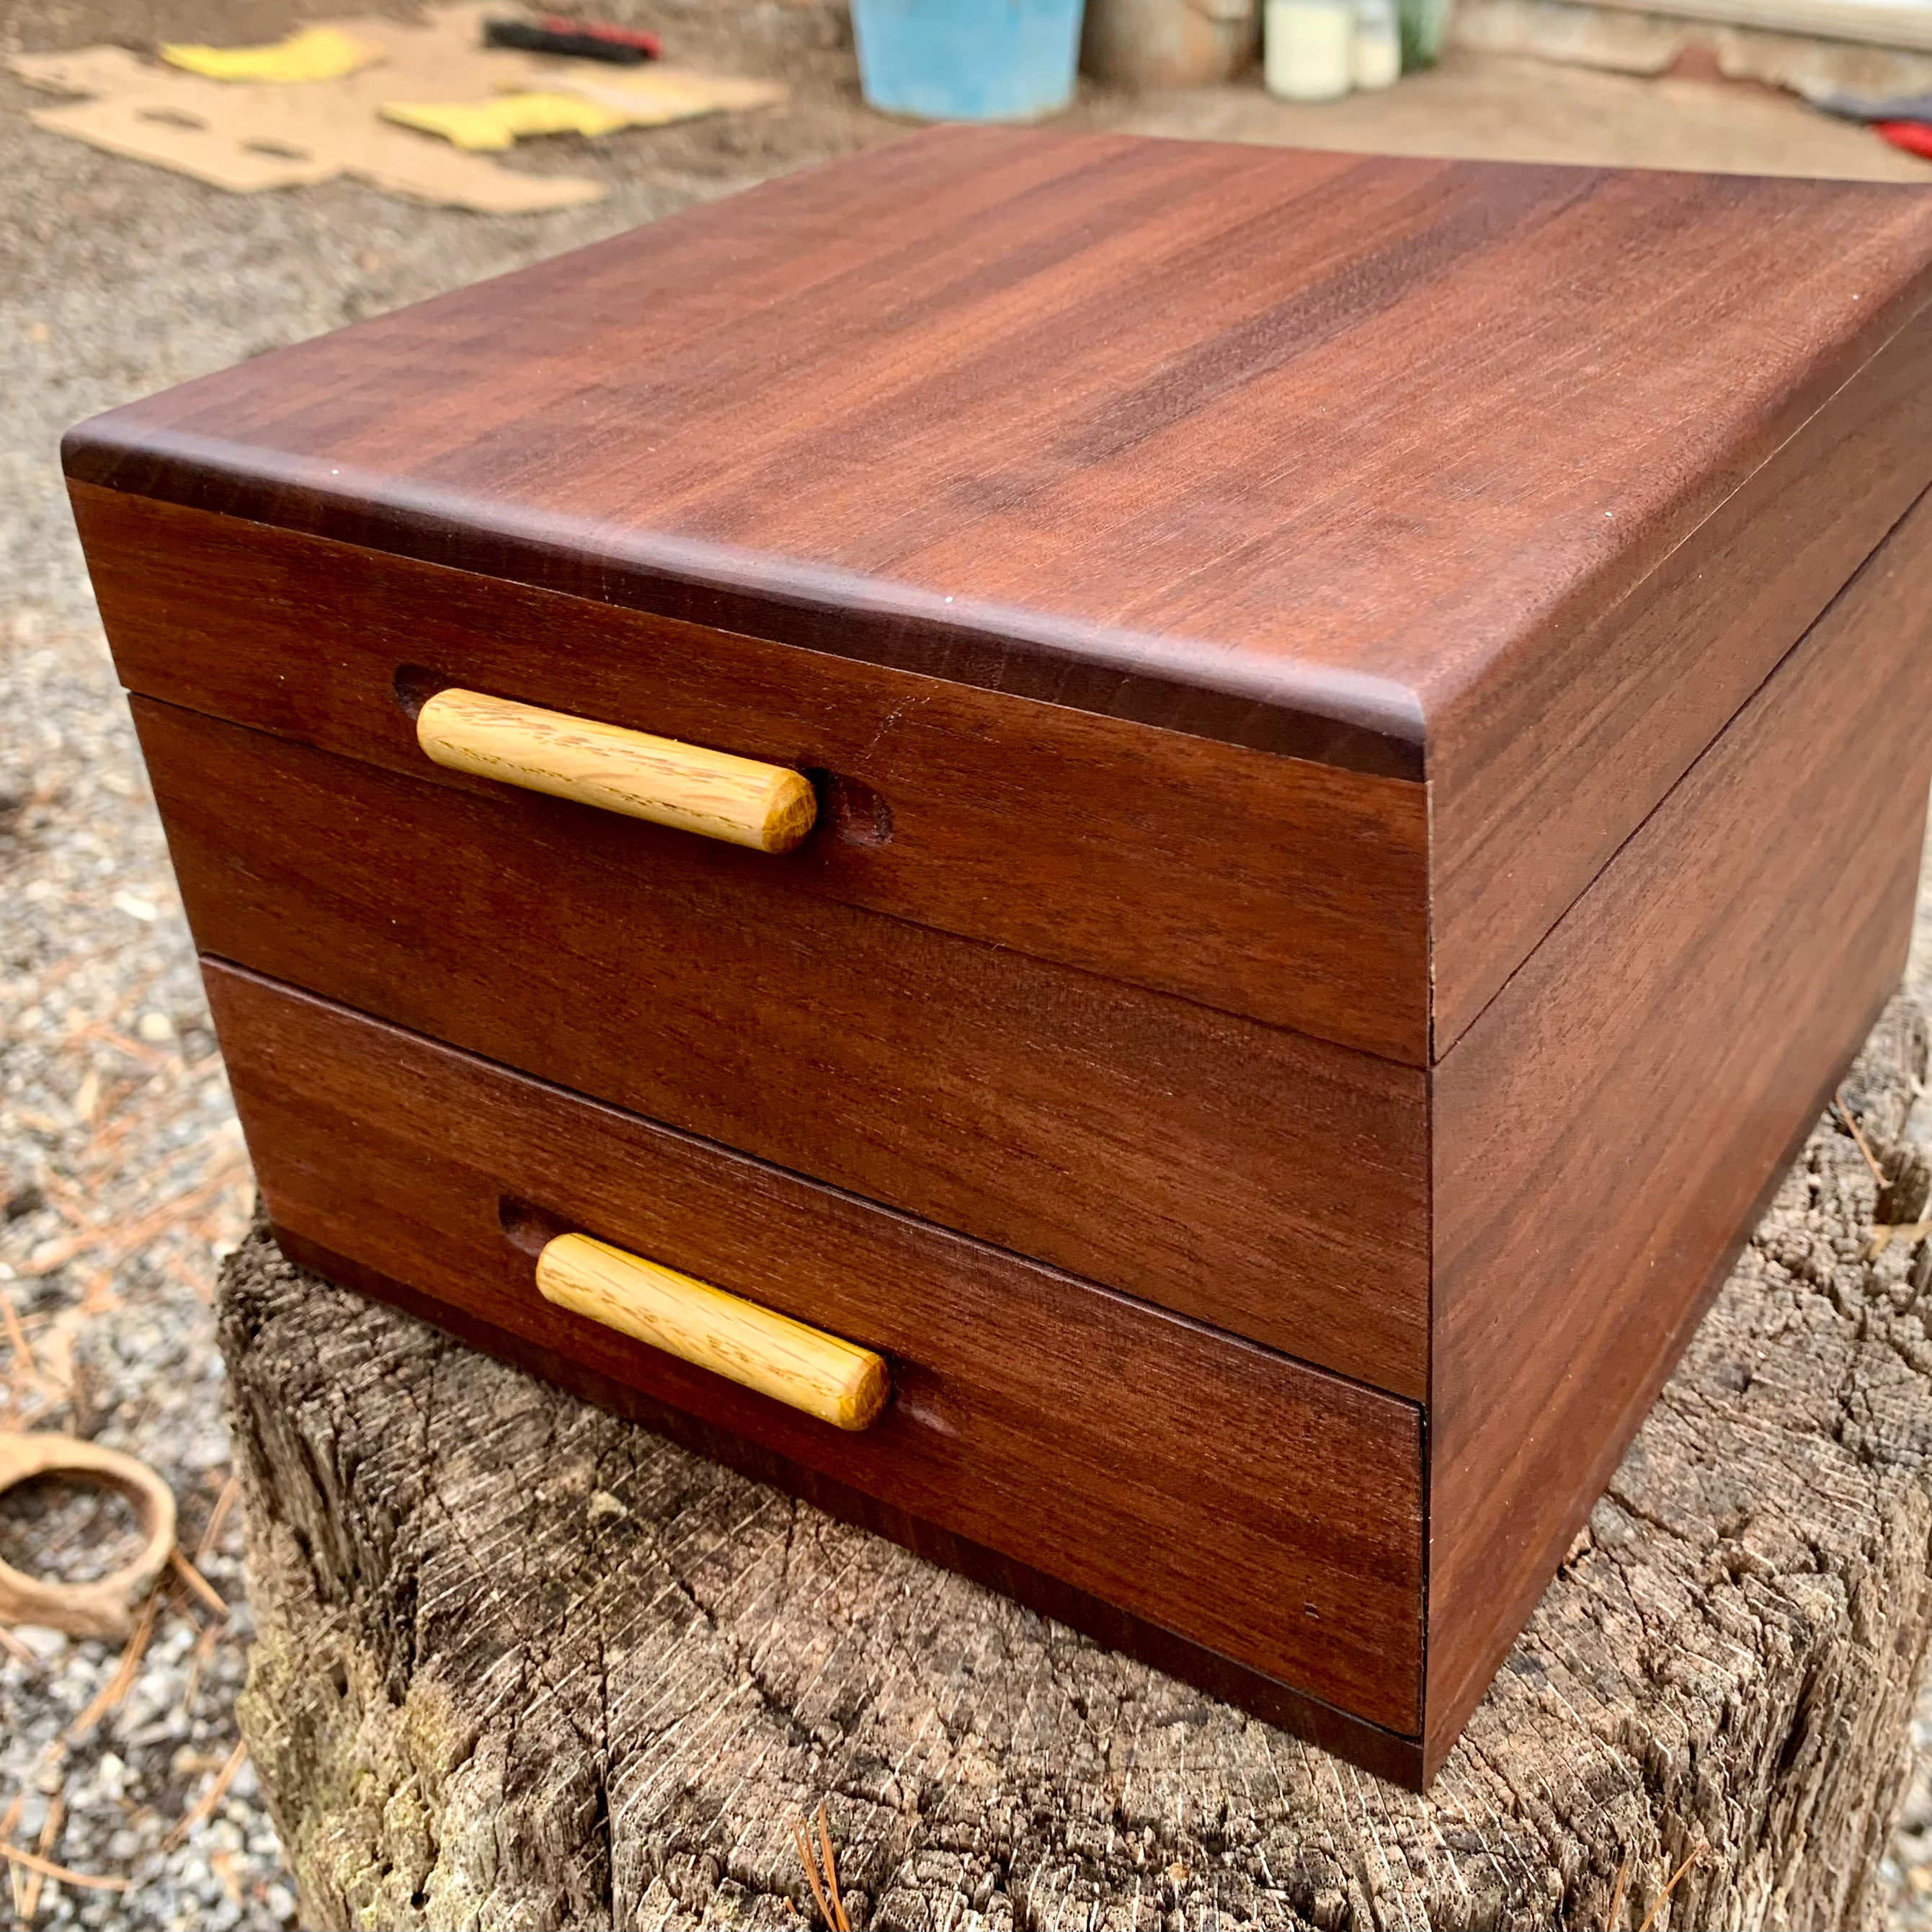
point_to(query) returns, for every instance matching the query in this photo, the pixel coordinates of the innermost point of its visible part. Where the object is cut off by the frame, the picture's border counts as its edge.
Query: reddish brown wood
(1121, 529)
(1270, 1182)
(1290, 891)
(1389, 1754)
(1602, 1133)
(1356, 458)
(1624, 696)
(1251, 1504)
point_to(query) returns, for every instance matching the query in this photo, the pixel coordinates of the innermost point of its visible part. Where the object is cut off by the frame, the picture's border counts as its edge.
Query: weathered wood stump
(519, 1664)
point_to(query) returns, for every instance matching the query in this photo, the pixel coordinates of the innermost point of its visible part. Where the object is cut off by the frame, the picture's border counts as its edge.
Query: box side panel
(1253, 1505)
(1269, 1182)
(1540, 769)
(1604, 1131)
(1289, 891)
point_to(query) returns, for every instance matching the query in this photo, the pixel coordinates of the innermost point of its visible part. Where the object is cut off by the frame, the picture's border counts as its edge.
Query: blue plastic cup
(968, 60)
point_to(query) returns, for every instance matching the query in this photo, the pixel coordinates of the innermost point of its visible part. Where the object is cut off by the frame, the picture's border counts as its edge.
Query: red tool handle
(1914, 137)
(649, 45)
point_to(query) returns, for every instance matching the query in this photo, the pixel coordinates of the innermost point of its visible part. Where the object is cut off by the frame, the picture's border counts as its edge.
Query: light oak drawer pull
(834, 1380)
(769, 807)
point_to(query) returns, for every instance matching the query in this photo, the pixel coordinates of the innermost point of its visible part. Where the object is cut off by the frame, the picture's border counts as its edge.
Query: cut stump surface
(520, 1664)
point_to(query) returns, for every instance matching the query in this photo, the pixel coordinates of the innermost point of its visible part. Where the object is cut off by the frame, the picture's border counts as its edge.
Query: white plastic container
(1309, 49)
(1378, 61)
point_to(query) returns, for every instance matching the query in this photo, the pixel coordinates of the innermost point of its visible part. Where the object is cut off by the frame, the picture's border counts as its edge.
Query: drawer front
(1289, 891)
(1264, 1181)
(1253, 1504)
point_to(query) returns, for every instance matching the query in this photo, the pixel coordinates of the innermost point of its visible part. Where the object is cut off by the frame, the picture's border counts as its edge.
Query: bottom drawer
(1265, 1510)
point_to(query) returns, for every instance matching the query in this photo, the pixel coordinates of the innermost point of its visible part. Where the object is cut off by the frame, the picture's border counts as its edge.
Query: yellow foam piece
(488, 126)
(317, 53)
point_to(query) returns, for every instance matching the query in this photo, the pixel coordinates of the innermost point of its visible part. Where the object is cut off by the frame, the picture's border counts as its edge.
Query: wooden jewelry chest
(1323, 761)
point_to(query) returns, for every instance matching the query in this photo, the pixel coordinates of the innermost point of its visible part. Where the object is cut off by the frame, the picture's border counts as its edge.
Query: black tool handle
(584, 46)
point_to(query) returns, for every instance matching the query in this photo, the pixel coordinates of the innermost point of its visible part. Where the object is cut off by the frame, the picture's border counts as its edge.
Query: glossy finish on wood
(1117, 534)
(1602, 1133)
(1538, 779)
(1386, 1753)
(1266, 1511)
(1272, 1184)
(688, 787)
(1370, 459)
(1286, 890)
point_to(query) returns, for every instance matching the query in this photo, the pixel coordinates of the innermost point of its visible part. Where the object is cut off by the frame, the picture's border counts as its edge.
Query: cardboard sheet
(482, 126)
(249, 136)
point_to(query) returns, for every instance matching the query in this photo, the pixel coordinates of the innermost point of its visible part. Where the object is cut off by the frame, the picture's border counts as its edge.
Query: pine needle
(204, 1649)
(18, 1650)
(30, 1904)
(87, 1881)
(121, 1241)
(802, 1845)
(13, 1877)
(116, 1687)
(1851, 1125)
(831, 1869)
(24, 1364)
(218, 1518)
(832, 1909)
(204, 1806)
(1617, 1896)
(1663, 1897)
(197, 1583)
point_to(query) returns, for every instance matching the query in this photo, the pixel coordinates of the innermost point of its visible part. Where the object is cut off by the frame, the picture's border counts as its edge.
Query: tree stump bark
(520, 1664)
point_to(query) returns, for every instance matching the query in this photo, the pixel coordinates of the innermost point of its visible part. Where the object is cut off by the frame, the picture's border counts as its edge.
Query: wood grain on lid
(1259, 420)
(1320, 454)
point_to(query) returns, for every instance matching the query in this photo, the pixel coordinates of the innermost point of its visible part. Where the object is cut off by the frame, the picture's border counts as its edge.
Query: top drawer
(1276, 888)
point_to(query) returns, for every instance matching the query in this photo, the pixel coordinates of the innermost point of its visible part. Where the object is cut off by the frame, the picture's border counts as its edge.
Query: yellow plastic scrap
(317, 53)
(489, 126)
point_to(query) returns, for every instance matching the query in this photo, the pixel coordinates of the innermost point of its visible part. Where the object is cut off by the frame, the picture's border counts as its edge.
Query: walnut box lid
(1518, 478)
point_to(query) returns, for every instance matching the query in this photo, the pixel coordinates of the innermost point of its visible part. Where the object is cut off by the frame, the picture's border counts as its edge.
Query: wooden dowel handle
(769, 808)
(834, 1380)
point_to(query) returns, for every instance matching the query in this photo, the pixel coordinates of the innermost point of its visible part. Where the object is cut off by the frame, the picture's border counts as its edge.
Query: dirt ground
(122, 1178)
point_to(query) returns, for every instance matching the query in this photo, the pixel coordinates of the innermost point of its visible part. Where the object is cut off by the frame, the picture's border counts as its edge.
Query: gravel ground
(1907, 1869)
(122, 1176)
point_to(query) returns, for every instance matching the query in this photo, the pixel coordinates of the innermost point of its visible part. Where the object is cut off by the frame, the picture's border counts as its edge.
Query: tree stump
(520, 1664)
